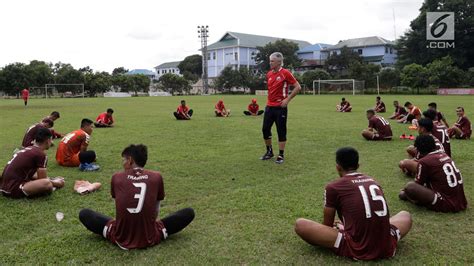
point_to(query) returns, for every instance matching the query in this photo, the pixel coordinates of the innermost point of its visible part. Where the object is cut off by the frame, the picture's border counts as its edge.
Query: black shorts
(277, 115)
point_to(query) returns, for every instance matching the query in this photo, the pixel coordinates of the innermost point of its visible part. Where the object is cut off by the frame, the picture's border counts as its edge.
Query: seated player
(379, 128)
(399, 113)
(344, 106)
(25, 175)
(439, 116)
(462, 129)
(105, 119)
(253, 109)
(440, 131)
(414, 114)
(54, 116)
(138, 193)
(220, 109)
(367, 232)
(409, 166)
(438, 184)
(183, 112)
(72, 150)
(379, 105)
(30, 134)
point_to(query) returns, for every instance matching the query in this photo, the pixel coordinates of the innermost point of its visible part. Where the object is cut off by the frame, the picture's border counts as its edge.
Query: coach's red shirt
(362, 208)
(381, 125)
(136, 192)
(464, 124)
(103, 118)
(278, 83)
(253, 108)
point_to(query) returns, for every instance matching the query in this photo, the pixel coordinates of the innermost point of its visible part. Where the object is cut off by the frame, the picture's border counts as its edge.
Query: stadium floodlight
(337, 85)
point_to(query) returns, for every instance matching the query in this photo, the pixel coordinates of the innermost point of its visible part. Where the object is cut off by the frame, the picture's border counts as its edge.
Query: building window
(208, 56)
(386, 49)
(391, 50)
(236, 56)
(173, 70)
(359, 51)
(213, 55)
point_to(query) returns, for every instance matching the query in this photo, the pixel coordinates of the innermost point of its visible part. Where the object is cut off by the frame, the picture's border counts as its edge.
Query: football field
(245, 208)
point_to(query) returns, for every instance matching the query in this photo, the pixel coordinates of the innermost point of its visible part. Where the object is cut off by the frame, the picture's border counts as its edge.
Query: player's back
(22, 166)
(381, 125)
(71, 144)
(440, 132)
(362, 208)
(30, 135)
(137, 192)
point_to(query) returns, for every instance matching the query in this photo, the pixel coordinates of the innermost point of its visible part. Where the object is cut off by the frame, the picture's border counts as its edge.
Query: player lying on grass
(54, 116)
(379, 105)
(379, 128)
(399, 112)
(462, 129)
(344, 106)
(438, 184)
(410, 166)
(137, 193)
(439, 116)
(30, 134)
(220, 109)
(25, 175)
(105, 119)
(367, 232)
(414, 114)
(183, 112)
(253, 109)
(72, 150)
(440, 131)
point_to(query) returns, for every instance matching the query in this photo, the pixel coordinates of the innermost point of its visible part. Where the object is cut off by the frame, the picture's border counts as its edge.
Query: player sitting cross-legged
(379, 105)
(344, 106)
(105, 119)
(183, 112)
(367, 232)
(220, 109)
(438, 184)
(399, 112)
(440, 131)
(137, 193)
(30, 134)
(25, 175)
(379, 128)
(462, 129)
(253, 109)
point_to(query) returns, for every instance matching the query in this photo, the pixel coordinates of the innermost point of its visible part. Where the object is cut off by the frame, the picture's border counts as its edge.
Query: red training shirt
(278, 83)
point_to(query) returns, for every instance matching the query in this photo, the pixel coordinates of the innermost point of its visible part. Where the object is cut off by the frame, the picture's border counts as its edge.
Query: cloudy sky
(105, 34)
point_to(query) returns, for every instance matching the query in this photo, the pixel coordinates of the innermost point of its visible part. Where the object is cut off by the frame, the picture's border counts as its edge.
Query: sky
(141, 34)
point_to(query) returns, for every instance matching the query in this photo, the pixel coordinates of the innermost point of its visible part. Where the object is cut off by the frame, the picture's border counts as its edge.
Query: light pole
(203, 35)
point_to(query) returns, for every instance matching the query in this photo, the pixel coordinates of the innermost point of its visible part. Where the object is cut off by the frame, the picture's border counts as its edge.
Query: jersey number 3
(374, 197)
(140, 196)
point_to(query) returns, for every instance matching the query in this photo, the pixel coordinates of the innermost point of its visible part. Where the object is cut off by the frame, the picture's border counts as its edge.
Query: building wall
(238, 57)
(389, 53)
(161, 71)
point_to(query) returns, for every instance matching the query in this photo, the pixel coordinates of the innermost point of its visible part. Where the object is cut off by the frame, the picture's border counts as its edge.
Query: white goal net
(64, 90)
(338, 86)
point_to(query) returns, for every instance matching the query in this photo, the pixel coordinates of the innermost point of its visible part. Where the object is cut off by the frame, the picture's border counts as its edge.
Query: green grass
(245, 208)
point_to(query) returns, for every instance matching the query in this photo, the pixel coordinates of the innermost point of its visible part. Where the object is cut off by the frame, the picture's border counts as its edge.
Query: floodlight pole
(203, 35)
(378, 85)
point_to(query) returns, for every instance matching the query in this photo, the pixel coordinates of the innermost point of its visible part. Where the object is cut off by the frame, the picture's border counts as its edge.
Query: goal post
(337, 86)
(74, 89)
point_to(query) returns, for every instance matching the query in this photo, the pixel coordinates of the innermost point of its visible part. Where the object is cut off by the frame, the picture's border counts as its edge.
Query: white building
(169, 67)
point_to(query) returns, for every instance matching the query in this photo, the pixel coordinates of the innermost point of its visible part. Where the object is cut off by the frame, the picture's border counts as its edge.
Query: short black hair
(430, 114)
(425, 144)
(85, 122)
(42, 135)
(395, 101)
(343, 98)
(49, 122)
(55, 113)
(347, 158)
(426, 123)
(183, 101)
(110, 110)
(139, 154)
(433, 104)
(378, 98)
(371, 111)
(407, 103)
(460, 107)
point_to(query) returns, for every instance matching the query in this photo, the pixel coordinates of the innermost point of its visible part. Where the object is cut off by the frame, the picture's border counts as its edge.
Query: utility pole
(203, 35)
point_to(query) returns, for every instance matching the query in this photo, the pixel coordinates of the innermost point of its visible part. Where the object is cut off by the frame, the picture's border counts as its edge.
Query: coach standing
(276, 111)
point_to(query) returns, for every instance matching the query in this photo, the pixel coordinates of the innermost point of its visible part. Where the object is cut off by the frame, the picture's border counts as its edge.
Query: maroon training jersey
(30, 135)
(464, 124)
(440, 132)
(361, 206)
(136, 192)
(278, 83)
(380, 107)
(381, 125)
(437, 171)
(22, 167)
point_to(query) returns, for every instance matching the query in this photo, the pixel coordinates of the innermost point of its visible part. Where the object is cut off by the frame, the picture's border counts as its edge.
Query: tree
(98, 82)
(412, 46)
(191, 67)
(228, 79)
(338, 64)
(14, 78)
(414, 76)
(442, 73)
(174, 84)
(140, 83)
(389, 77)
(119, 71)
(66, 74)
(40, 73)
(311, 75)
(469, 76)
(364, 71)
(287, 48)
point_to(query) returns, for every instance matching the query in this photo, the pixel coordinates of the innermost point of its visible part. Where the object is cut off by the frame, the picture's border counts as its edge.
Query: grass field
(245, 208)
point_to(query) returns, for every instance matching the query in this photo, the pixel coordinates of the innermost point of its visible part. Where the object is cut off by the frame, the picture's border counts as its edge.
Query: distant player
(253, 109)
(409, 166)
(183, 112)
(414, 114)
(379, 128)
(138, 193)
(54, 116)
(440, 131)
(366, 231)
(220, 109)
(438, 184)
(379, 105)
(399, 113)
(30, 134)
(439, 116)
(344, 106)
(72, 150)
(279, 80)
(25, 175)
(105, 119)
(462, 129)
(25, 94)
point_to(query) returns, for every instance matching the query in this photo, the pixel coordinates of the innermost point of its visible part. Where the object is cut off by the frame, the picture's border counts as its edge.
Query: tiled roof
(361, 42)
(169, 65)
(249, 40)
